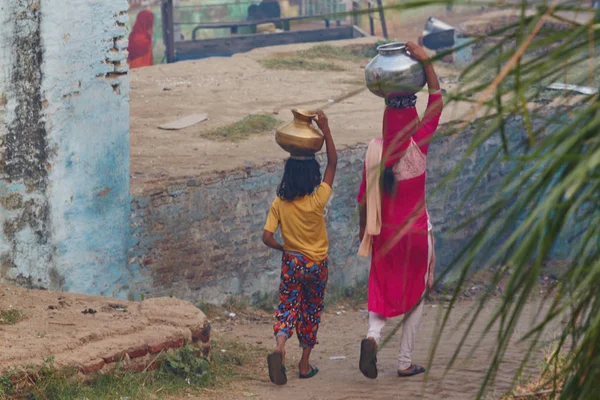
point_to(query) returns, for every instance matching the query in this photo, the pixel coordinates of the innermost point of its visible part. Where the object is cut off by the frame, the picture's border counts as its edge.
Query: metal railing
(374, 7)
(328, 10)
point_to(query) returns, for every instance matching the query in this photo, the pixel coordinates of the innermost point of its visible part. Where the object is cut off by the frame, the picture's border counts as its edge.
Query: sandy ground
(340, 336)
(61, 325)
(229, 89)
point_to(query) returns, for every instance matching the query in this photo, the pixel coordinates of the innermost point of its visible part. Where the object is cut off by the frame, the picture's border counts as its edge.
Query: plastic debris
(573, 88)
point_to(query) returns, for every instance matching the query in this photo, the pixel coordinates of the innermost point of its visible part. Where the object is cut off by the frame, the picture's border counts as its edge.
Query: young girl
(298, 211)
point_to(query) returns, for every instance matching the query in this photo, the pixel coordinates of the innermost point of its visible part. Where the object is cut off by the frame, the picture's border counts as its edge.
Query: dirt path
(340, 336)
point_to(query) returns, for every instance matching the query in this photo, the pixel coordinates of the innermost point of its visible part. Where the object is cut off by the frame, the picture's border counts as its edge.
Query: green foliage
(180, 370)
(186, 365)
(6, 385)
(11, 316)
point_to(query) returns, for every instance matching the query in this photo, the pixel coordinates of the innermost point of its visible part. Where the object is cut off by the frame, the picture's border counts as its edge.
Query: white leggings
(411, 324)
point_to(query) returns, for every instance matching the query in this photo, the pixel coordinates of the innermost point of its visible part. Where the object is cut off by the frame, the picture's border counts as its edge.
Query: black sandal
(368, 358)
(276, 368)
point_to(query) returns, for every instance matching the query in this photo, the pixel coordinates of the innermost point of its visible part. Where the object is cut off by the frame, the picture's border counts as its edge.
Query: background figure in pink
(140, 41)
(401, 247)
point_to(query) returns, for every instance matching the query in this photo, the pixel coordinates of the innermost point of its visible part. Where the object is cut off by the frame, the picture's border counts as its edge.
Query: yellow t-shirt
(302, 223)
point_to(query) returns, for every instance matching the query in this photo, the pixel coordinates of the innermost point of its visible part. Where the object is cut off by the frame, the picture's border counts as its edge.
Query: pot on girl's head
(300, 138)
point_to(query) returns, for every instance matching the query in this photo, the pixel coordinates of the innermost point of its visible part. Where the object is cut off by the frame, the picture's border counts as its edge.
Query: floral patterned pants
(301, 295)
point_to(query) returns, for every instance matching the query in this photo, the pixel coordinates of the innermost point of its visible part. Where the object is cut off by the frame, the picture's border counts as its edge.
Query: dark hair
(300, 178)
(388, 180)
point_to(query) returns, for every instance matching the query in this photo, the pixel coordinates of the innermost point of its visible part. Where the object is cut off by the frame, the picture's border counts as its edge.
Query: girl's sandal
(313, 372)
(276, 368)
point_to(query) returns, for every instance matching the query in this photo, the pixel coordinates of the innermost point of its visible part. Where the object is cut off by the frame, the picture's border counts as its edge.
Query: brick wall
(201, 239)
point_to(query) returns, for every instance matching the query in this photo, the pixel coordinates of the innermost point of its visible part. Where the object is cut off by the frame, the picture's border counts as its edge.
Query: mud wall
(64, 145)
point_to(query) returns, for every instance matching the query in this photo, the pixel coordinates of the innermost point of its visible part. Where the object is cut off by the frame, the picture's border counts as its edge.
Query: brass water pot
(299, 137)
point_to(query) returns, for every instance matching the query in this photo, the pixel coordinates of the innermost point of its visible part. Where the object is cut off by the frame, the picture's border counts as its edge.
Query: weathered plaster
(26, 244)
(64, 187)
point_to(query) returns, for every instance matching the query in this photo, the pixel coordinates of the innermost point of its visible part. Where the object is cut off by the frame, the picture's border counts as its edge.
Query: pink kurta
(399, 256)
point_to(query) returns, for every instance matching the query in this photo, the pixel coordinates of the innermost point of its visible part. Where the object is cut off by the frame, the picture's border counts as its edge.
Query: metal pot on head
(299, 137)
(393, 72)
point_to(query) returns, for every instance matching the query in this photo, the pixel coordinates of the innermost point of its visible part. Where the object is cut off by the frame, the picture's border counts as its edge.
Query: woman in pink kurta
(402, 251)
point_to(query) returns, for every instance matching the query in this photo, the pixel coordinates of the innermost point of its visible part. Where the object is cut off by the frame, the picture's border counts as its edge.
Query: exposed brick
(138, 351)
(93, 366)
(201, 333)
(157, 347)
(116, 357)
(175, 343)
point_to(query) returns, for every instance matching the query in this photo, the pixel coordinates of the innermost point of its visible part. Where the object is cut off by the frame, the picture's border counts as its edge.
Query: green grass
(328, 52)
(299, 64)
(353, 296)
(243, 129)
(319, 57)
(355, 82)
(10, 316)
(236, 304)
(180, 372)
(265, 301)
(210, 310)
(342, 53)
(547, 385)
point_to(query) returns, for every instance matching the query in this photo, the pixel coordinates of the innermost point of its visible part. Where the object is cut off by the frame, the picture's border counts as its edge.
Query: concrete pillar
(64, 145)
